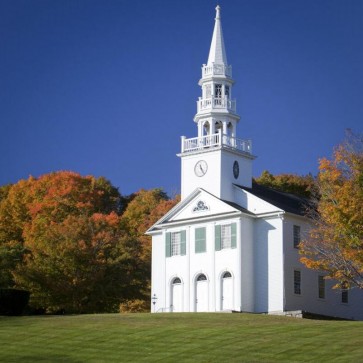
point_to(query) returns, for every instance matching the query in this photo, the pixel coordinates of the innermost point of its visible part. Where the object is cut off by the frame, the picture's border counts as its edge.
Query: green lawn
(178, 338)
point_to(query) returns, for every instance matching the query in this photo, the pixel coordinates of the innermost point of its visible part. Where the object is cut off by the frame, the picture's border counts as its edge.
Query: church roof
(288, 202)
(217, 52)
(238, 207)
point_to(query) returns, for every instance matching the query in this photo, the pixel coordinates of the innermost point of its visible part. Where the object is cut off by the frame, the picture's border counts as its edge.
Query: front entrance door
(201, 294)
(227, 291)
(176, 295)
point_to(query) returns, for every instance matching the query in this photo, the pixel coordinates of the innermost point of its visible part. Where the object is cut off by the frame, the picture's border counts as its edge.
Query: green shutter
(233, 235)
(217, 237)
(183, 247)
(200, 240)
(168, 244)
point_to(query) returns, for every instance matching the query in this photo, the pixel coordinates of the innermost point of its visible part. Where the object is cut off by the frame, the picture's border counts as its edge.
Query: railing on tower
(214, 141)
(216, 70)
(216, 102)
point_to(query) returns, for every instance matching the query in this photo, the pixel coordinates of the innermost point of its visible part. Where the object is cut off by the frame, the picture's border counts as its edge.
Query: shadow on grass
(46, 358)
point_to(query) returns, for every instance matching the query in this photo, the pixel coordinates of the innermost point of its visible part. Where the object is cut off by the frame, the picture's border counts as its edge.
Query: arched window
(218, 126)
(226, 275)
(206, 128)
(176, 281)
(229, 129)
(201, 278)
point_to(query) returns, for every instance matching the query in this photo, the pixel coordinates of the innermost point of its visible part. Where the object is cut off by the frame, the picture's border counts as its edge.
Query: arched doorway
(176, 304)
(227, 291)
(201, 293)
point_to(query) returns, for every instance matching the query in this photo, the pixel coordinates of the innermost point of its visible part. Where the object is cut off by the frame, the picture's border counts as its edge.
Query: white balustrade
(210, 141)
(216, 103)
(216, 70)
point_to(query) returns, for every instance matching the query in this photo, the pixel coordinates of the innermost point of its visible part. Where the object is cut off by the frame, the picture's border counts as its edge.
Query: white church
(230, 244)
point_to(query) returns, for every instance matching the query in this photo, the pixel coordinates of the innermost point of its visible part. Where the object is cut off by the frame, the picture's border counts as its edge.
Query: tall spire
(217, 53)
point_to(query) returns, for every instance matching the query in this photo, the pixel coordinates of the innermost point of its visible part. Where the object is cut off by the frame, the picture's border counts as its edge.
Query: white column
(212, 126)
(187, 287)
(182, 143)
(224, 123)
(220, 137)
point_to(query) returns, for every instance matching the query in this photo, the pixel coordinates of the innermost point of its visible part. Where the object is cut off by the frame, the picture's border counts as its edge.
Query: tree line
(77, 245)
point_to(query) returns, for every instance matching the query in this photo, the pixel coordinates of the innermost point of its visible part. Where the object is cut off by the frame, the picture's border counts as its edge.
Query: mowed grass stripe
(178, 337)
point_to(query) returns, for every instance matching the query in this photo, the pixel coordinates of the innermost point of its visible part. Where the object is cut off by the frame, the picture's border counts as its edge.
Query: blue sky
(107, 87)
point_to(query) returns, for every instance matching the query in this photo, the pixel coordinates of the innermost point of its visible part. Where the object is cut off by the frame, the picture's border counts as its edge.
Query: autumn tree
(13, 216)
(145, 208)
(303, 186)
(335, 243)
(64, 242)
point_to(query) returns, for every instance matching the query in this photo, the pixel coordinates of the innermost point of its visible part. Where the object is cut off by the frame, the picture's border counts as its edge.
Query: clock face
(200, 168)
(235, 169)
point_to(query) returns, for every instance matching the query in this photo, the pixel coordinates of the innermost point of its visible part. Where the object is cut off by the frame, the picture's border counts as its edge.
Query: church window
(226, 275)
(225, 236)
(229, 129)
(226, 91)
(200, 240)
(176, 281)
(345, 296)
(206, 128)
(321, 287)
(297, 236)
(297, 282)
(201, 278)
(218, 91)
(218, 126)
(175, 244)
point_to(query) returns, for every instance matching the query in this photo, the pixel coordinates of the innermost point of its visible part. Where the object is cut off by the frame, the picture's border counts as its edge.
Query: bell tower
(216, 158)
(216, 110)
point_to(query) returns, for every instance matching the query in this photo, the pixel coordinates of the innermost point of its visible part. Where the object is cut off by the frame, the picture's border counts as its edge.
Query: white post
(220, 137)
(182, 143)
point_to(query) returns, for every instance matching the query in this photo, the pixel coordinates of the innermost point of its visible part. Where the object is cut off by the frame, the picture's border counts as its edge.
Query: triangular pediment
(198, 205)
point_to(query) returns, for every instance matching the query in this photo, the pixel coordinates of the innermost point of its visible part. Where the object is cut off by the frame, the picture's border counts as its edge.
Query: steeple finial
(217, 53)
(218, 14)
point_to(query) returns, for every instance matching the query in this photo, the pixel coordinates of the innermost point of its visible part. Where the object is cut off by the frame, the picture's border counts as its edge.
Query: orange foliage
(335, 244)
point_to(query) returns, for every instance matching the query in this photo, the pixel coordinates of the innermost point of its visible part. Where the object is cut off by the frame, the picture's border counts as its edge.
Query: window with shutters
(296, 236)
(175, 243)
(225, 236)
(200, 240)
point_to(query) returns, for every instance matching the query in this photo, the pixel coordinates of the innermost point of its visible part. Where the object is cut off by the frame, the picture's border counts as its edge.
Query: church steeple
(217, 52)
(216, 159)
(216, 110)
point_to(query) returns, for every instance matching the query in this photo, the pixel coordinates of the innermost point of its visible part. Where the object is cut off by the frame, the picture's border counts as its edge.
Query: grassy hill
(178, 338)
